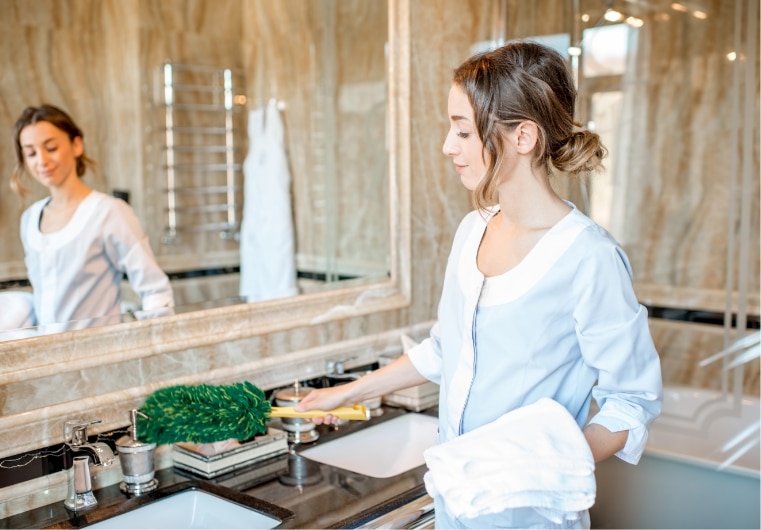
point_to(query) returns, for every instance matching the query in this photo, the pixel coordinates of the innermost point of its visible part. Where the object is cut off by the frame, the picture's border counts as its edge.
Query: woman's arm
(131, 252)
(396, 376)
(615, 340)
(602, 442)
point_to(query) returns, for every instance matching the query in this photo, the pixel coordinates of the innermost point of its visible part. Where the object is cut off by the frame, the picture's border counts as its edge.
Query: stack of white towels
(533, 457)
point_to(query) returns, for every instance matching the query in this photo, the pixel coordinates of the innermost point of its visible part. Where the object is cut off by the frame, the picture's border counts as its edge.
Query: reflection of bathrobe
(267, 268)
(76, 272)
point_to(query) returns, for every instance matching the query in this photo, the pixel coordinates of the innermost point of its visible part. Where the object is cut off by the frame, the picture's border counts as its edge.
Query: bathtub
(700, 468)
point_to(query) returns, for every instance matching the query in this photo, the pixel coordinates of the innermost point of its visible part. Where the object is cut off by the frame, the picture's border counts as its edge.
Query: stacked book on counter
(212, 460)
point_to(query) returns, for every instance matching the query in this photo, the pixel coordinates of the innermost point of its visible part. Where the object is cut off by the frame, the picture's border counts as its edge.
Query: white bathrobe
(267, 268)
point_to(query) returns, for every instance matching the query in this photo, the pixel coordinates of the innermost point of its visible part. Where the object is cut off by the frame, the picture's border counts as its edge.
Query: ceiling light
(702, 15)
(679, 7)
(612, 15)
(635, 22)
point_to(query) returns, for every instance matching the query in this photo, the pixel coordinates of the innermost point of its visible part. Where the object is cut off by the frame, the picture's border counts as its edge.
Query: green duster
(203, 414)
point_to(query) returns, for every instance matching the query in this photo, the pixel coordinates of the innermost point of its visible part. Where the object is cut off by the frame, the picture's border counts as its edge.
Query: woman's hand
(326, 399)
(395, 376)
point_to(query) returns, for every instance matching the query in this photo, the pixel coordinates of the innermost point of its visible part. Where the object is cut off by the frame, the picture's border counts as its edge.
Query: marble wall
(326, 62)
(676, 205)
(111, 83)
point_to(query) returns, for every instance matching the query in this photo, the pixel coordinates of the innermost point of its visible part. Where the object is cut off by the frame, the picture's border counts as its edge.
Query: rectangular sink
(190, 509)
(383, 450)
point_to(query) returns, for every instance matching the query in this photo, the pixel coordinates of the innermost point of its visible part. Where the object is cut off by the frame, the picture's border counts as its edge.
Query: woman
(537, 299)
(78, 243)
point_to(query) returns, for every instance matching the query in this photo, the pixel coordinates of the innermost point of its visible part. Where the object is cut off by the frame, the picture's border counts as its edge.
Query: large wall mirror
(336, 74)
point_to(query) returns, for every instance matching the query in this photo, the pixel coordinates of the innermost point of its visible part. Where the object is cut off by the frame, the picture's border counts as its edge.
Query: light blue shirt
(564, 323)
(76, 272)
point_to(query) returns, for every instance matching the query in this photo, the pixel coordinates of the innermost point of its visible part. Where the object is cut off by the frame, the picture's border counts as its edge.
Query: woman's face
(462, 142)
(50, 156)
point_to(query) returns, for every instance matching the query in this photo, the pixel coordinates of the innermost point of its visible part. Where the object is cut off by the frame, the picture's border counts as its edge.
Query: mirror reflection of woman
(79, 243)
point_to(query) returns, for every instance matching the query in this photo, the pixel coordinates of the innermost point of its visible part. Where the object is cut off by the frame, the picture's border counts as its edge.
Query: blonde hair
(526, 81)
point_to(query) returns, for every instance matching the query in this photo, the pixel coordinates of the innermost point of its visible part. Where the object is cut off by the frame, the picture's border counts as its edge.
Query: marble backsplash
(103, 394)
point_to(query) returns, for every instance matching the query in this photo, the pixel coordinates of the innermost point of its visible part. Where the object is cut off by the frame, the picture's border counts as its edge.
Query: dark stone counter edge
(112, 501)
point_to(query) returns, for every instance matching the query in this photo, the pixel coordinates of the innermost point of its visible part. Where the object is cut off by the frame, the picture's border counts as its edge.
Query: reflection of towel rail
(195, 88)
(201, 148)
(202, 190)
(201, 168)
(208, 227)
(200, 130)
(208, 208)
(204, 107)
(202, 68)
(205, 96)
(226, 232)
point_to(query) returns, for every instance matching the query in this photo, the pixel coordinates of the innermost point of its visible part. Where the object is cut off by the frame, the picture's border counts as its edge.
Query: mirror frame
(35, 357)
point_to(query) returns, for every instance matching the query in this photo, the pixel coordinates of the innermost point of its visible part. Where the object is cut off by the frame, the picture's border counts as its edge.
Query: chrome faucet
(80, 495)
(337, 375)
(336, 370)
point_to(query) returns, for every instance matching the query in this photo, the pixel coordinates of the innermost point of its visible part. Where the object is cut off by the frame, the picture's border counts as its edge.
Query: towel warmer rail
(199, 105)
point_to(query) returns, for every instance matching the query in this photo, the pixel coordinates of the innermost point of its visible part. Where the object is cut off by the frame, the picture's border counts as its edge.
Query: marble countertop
(320, 496)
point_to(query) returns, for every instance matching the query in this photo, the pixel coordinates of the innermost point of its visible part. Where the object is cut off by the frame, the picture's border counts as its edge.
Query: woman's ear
(526, 135)
(77, 146)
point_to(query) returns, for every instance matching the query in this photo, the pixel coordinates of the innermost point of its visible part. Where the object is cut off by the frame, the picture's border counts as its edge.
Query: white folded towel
(532, 457)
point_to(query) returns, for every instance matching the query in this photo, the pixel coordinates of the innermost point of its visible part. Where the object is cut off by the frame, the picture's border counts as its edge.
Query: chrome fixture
(336, 366)
(337, 375)
(200, 135)
(301, 471)
(299, 430)
(80, 496)
(136, 459)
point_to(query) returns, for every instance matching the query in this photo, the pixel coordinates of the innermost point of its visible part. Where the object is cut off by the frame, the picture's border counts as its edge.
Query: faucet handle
(336, 366)
(75, 431)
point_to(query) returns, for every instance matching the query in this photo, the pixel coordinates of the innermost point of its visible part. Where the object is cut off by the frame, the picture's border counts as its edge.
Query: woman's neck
(530, 203)
(70, 195)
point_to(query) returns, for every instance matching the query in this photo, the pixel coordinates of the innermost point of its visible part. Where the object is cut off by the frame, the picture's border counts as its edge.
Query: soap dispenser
(136, 460)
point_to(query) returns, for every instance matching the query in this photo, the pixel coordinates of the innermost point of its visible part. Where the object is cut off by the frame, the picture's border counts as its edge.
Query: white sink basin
(190, 509)
(383, 450)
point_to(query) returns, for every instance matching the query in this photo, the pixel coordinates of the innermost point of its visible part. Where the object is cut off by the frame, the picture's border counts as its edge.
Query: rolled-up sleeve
(426, 356)
(614, 338)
